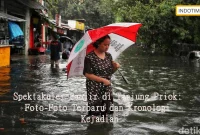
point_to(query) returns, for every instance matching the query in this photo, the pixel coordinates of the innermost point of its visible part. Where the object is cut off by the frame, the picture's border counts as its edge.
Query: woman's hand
(106, 82)
(115, 66)
(93, 77)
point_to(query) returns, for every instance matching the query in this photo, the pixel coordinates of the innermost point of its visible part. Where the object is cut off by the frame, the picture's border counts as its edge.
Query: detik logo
(79, 46)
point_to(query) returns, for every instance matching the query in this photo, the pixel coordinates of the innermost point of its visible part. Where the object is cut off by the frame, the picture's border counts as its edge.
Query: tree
(161, 27)
(95, 12)
(52, 6)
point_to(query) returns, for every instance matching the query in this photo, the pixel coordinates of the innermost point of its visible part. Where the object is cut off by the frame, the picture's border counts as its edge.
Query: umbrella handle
(123, 77)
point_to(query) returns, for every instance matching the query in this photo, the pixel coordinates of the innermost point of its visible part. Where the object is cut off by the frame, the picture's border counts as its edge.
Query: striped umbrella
(122, 36)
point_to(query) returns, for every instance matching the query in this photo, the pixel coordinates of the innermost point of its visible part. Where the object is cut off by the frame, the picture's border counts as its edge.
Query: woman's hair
(100, 40)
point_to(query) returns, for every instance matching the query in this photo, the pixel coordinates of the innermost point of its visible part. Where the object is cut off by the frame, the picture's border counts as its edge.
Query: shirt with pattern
(95, 90)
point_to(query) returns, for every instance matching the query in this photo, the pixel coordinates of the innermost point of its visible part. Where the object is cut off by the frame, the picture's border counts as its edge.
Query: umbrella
(122, 36)
(65, 38)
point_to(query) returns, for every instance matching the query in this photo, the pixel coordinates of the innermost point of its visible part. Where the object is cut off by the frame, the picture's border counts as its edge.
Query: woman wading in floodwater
(98, 68)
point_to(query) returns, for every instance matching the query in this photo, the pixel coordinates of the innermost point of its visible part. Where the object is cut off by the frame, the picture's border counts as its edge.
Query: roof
(10, 17)
(63, 25)
(32, 4)
(81, 20)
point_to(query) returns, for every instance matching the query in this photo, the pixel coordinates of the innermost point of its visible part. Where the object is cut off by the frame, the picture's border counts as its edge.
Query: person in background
(67, 45)
(65, 54)
(98, 68)
(55, 47)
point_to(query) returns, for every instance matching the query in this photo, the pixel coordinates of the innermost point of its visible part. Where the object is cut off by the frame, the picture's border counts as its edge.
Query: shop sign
(80, 25)
(76, 24)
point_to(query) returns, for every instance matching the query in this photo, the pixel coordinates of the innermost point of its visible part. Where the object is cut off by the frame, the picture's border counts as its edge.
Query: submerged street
(162, 97)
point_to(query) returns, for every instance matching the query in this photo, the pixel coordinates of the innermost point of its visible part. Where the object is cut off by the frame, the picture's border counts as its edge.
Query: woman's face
(103, 46)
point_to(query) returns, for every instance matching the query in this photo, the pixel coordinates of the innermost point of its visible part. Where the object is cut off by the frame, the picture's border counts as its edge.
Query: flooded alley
(162, 97)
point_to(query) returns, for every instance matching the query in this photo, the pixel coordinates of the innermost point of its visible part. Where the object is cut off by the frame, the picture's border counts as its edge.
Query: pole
(123, 77)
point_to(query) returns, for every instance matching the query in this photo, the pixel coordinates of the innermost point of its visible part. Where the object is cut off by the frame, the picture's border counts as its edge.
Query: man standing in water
(55, 48)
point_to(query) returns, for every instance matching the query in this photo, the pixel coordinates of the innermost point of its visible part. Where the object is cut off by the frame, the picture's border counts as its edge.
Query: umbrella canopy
(122, 36)
(65, 38)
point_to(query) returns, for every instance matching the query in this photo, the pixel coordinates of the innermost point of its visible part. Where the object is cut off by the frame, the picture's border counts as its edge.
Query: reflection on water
(154, 82)
(4, 80)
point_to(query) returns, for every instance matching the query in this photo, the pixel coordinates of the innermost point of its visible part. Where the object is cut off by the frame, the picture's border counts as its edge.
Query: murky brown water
(162, 97)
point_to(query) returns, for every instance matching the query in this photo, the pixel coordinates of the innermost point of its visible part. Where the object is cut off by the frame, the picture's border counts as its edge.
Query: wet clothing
(55, 48)
(95, 90)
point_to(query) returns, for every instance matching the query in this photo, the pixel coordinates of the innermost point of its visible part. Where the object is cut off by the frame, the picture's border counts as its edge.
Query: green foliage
(161, 27)
(52, 6)
(95, 12)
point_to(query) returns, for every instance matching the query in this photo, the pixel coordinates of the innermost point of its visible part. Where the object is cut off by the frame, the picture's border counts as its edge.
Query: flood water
(162, 97)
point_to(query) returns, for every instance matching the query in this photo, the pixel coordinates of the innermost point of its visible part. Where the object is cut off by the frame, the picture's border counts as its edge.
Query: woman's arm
(97, 79)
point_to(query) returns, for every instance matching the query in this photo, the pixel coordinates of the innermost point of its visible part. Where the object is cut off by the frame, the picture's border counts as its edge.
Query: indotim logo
(187, 10)
(79, 46)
